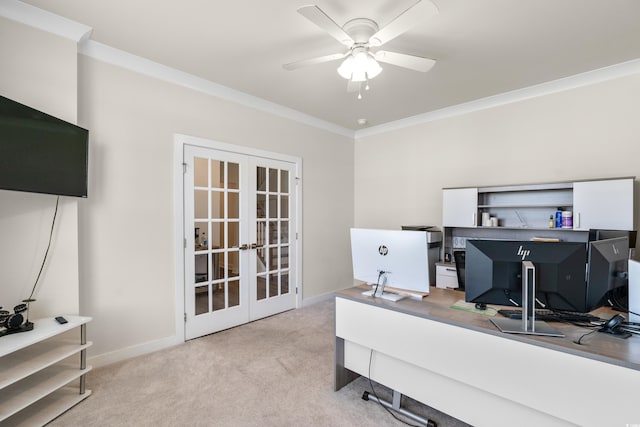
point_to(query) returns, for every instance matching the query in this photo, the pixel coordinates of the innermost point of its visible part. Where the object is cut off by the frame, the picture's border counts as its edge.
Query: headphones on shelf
(15, 320)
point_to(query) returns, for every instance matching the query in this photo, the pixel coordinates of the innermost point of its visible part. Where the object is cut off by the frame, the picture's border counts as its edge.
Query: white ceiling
(482, 47)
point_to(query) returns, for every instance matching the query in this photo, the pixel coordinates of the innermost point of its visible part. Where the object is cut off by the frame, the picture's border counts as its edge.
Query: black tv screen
(40, 153)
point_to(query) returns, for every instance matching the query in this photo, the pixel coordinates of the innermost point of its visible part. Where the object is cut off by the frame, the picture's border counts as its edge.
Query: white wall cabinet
(523, 211)
(460, 207)
(597, 204)
(42, 372)
(604, 204)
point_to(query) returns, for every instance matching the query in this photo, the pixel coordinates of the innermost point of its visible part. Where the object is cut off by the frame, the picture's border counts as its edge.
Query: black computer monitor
(494, 273)
(607, 280)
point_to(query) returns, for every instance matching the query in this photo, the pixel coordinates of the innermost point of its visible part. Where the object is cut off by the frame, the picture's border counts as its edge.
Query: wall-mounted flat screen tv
(40, 153)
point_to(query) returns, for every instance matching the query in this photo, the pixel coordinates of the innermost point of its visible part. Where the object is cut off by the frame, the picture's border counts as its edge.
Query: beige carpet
(273, 372)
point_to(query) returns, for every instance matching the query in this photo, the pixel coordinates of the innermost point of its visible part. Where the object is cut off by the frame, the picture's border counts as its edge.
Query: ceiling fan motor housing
(360, 29)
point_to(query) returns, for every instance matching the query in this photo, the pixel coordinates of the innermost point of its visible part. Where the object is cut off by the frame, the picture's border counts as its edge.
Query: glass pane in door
(217, 234)
(202, 299)
(272, 229)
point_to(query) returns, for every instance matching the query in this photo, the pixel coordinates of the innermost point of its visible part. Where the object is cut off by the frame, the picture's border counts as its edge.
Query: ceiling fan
(362, 37)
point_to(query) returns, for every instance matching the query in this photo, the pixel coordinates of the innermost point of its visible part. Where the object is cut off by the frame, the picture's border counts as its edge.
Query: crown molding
(150, 68)
(579, 80)
(63, 27)
(38, 18)
(43, 20)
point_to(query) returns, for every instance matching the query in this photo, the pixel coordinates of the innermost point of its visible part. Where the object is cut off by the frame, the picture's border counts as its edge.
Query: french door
(240, 221)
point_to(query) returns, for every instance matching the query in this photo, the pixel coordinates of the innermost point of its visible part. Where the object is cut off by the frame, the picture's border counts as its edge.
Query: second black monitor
(494, 273)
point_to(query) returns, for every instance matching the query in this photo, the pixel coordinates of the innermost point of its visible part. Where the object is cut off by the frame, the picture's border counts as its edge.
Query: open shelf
(38, 368)
(48, 408)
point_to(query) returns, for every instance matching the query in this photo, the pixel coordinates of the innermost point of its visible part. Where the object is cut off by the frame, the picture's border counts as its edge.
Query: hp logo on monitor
(383, 250)
(523, 252)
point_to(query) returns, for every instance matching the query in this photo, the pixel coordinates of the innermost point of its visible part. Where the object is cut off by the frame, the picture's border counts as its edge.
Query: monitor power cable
(616, 300)
(380, 273)
(579, 340)
(378, 398)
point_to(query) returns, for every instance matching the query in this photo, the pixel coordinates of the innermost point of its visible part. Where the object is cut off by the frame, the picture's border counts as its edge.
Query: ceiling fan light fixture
(359, 76)
(346, 68)
(359, 67)
(373, 68)
(360, 60)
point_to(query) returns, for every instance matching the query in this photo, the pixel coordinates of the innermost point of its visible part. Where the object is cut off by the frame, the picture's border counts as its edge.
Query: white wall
(583, 133)
(127, 235)
(126, 227)
(39, 70)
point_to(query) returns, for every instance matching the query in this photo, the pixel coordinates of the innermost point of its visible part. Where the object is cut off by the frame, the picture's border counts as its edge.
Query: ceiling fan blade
(313, 61)
(353, 86)
(419, 12)
(417, 63)
(322, 20)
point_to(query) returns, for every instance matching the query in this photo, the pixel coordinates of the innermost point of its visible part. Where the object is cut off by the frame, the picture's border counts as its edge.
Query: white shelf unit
(528, 206)
(42, 372)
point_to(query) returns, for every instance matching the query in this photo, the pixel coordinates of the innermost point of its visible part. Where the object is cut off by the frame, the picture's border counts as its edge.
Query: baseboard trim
(152, 346)
(132, 351)
(310, 301)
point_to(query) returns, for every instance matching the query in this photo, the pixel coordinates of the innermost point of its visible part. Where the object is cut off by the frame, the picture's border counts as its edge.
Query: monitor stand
(385, 295)
(389, 296)
(528, 324)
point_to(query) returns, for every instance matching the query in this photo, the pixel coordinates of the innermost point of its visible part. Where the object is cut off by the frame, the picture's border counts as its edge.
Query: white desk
(458, 363)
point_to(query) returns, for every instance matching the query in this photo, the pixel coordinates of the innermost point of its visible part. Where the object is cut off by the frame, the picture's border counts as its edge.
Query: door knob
(243, 247)
(255, 245)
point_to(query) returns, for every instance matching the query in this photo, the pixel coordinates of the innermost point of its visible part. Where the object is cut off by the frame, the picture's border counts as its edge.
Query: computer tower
(434, 243)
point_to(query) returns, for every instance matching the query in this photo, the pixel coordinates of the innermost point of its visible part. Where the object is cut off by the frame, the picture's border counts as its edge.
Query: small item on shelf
(545, 239)
(486, 219)
(494, 221)
(552, 222)
(567, 219)
(559, 218)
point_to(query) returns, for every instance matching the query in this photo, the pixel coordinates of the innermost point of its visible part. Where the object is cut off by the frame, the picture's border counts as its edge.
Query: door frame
(180, 140)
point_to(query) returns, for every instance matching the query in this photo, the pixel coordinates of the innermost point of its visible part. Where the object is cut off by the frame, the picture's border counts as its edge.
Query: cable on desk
(616, 299)
(632, 327)
(578, 341)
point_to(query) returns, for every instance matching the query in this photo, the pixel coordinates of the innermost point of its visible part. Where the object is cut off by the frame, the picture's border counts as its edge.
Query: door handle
(252, 246)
